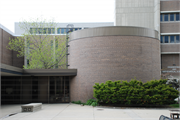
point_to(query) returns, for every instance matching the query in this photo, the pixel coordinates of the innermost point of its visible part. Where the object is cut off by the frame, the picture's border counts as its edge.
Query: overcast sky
(61, 10)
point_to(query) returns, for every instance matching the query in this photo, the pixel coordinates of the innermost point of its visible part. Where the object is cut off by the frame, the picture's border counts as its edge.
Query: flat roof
(7, 70)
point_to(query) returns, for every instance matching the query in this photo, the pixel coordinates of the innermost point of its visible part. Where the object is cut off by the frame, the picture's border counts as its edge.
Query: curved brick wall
(103, 58)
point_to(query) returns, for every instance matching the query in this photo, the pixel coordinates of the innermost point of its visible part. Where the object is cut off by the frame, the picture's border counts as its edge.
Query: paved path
(77, 112)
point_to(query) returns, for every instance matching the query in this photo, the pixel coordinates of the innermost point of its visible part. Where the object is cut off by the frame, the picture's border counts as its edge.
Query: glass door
(59, 89)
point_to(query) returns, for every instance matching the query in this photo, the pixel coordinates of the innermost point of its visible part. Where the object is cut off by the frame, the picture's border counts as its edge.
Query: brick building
(143, 40)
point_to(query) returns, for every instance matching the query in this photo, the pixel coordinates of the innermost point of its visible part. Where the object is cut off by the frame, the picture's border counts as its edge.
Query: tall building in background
(170, 33)
(139, 13)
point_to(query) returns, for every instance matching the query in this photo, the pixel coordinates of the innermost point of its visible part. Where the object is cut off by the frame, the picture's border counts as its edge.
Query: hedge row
(154, 92)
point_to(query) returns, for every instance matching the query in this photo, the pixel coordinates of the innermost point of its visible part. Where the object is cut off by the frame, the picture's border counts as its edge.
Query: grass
(174, 105)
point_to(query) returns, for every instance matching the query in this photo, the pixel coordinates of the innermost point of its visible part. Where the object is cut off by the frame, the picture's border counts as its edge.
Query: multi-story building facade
(144, 40)
(170, 33)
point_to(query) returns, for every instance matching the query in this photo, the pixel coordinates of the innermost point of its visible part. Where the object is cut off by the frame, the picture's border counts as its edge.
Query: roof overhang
(7, 70)
(50, 72)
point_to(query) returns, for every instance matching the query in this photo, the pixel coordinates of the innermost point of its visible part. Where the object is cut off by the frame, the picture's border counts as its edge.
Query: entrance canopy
(7, 70)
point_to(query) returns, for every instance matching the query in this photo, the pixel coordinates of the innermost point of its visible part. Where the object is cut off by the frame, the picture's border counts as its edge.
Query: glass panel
(177, 38)
(58, 31)
(171, 39)
(165, 17)
(161, 39)
(161, 17)
(11, 90)
(67, 29)
(177, 17)
(31, 30)
(52, 30)
(34, 30)
(62, 30)
(44, 30)
(166, 39)
(49, 30)
(171, 17)
(52, 88)
(71, 29)
(39, 30)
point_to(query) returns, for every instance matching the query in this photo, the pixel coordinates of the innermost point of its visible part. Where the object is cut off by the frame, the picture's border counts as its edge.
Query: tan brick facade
(170, 64)
(7, 56)
(99, 59)
(170, 27)
(171, 5)
(170, 47)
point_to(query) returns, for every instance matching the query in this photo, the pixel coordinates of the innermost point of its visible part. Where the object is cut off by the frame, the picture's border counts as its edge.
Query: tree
(41, 49)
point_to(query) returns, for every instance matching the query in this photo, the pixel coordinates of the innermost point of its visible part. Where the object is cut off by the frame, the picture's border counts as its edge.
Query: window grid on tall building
(164, 17)
(169, 39)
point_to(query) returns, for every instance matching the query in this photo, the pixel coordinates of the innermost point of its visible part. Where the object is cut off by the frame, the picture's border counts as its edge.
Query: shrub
(90, 101)
(77, 102)
(154, 92)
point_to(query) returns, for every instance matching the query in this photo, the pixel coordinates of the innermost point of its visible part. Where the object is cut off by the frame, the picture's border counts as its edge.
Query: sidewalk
(77, 112)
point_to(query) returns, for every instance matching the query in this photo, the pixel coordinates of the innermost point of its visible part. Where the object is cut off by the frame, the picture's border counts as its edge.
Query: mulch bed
(135, 106)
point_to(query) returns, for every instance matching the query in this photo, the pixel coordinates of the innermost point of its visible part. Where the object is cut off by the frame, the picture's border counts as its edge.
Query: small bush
(92, 102)
(77, 102)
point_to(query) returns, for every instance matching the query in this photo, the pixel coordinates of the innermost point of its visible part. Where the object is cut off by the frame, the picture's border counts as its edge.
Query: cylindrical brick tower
(112, 53)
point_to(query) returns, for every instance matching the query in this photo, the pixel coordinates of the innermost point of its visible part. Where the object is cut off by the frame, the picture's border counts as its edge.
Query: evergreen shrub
(154, 92)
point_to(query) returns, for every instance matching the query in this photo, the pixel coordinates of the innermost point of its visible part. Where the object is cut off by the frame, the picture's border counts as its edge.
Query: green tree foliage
(154, 92)
(42, 49)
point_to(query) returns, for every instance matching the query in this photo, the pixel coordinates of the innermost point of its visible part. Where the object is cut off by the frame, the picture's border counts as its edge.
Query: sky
(60, 10)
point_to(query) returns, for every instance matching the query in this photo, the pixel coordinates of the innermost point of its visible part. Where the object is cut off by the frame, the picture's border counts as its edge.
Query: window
(35, 30)
(71, 29)
(177, 38)
(31, 30)
(39, 30)
(49, 30)
(171, 17)
(58, 31)
(52, 30)
(62, 31)
(28, 62)
(172, 39)
(177, 17)
(67, 29)
(76, 29)
(166, 39)
(161, 39)
(161, 17)
(44, 30)
(165, 17)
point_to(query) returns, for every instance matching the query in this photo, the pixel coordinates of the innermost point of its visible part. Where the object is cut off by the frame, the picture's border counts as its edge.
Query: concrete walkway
(77, 112)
